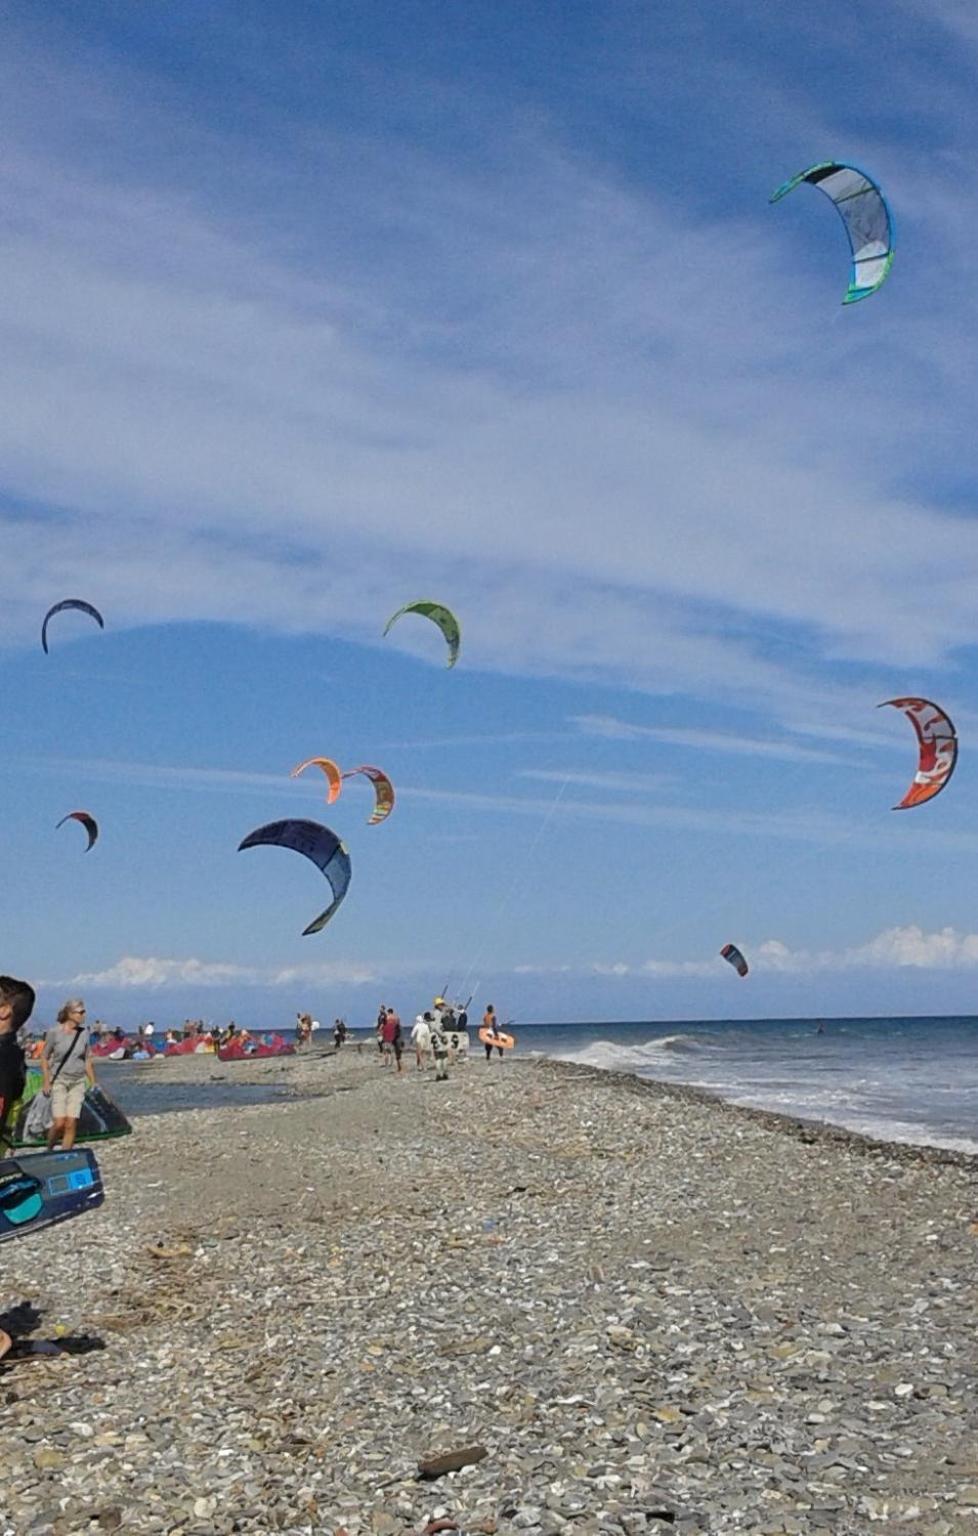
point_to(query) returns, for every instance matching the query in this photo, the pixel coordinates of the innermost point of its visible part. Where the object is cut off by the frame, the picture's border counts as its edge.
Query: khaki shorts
(66, 1099)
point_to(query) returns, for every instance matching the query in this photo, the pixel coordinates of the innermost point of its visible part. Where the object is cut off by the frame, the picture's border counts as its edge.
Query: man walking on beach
(491, 1026)
(390, 1034)
(439, 1048)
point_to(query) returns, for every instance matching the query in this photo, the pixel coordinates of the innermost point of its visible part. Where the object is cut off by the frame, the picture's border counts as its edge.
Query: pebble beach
(644, 1309)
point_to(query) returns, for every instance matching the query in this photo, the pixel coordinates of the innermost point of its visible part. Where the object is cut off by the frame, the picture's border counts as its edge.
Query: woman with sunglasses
(67, 1069)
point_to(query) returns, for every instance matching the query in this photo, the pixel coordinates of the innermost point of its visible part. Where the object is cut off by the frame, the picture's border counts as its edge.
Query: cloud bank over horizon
(893, 949)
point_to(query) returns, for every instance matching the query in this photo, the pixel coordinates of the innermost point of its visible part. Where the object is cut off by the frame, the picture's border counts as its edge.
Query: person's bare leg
(55, 1133)
(5, 1342)
(68, 1139)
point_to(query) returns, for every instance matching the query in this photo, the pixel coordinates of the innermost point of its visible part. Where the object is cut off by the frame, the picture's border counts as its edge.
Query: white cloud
(613, 729)
(155, 972)
(627, 783)
(897, 948)
(946, 949)
(542, 970)
(615, 462)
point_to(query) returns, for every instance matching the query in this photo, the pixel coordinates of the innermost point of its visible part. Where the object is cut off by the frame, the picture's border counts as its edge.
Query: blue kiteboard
(39, 1188)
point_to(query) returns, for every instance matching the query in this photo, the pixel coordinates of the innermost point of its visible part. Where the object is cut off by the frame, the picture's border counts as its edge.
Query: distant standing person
(491, 1025)
(16, 1006)
(439, 1047)
(381, 1017)
(392, 1038)
(66, 1068)
(421, 1040)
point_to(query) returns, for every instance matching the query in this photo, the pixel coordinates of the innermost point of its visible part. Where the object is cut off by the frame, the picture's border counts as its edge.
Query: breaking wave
(612, 1057)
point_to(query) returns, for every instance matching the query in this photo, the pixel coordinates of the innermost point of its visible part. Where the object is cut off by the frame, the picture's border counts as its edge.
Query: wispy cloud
(613, 729)
(615, 462)
(178, 777)
(626, 783)
(812, 825)
(479, 739)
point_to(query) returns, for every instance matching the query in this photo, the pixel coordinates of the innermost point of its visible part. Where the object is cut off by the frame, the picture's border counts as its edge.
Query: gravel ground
(654, 1312)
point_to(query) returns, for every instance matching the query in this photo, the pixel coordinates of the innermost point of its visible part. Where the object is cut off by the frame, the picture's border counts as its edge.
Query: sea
(899, 1079)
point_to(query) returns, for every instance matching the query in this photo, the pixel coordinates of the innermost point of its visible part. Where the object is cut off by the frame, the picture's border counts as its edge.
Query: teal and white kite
(862, 209)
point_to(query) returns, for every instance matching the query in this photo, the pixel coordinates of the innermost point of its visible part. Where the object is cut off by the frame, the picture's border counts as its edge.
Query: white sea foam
(889, 1085)
(838, 1109)
(610, 1056)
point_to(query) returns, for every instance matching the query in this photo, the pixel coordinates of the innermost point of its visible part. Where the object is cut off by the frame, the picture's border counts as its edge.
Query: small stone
(48, 1460)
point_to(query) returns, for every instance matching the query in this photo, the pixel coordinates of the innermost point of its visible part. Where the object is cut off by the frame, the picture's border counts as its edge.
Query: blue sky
(308, 311)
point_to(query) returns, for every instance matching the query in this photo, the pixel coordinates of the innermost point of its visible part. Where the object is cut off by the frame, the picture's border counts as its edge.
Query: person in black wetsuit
(16, 1007)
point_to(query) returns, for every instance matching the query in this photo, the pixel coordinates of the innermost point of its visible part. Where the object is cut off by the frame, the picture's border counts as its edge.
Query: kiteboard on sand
(39, 1188)
(100, 1116)
(500, 1038)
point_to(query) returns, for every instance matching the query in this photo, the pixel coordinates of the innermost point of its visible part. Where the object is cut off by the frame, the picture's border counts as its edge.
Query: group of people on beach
(438, 1035)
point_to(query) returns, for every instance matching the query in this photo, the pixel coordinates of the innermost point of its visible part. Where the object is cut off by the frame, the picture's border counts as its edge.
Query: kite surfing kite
(383, 792)
(69, 602)
(438, 614)
(320, 845)
(333, 776)
(862, 208)
(938, 749)
(733, 957)
(87, 821)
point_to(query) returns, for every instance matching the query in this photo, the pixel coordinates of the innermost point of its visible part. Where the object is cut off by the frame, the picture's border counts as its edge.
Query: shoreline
(804, 1127)
(655, 1310)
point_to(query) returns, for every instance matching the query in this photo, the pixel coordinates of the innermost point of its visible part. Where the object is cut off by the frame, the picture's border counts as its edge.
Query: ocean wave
(613, 1057)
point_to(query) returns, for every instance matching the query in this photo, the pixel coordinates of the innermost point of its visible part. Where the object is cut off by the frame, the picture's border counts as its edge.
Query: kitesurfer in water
(16, 1006)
